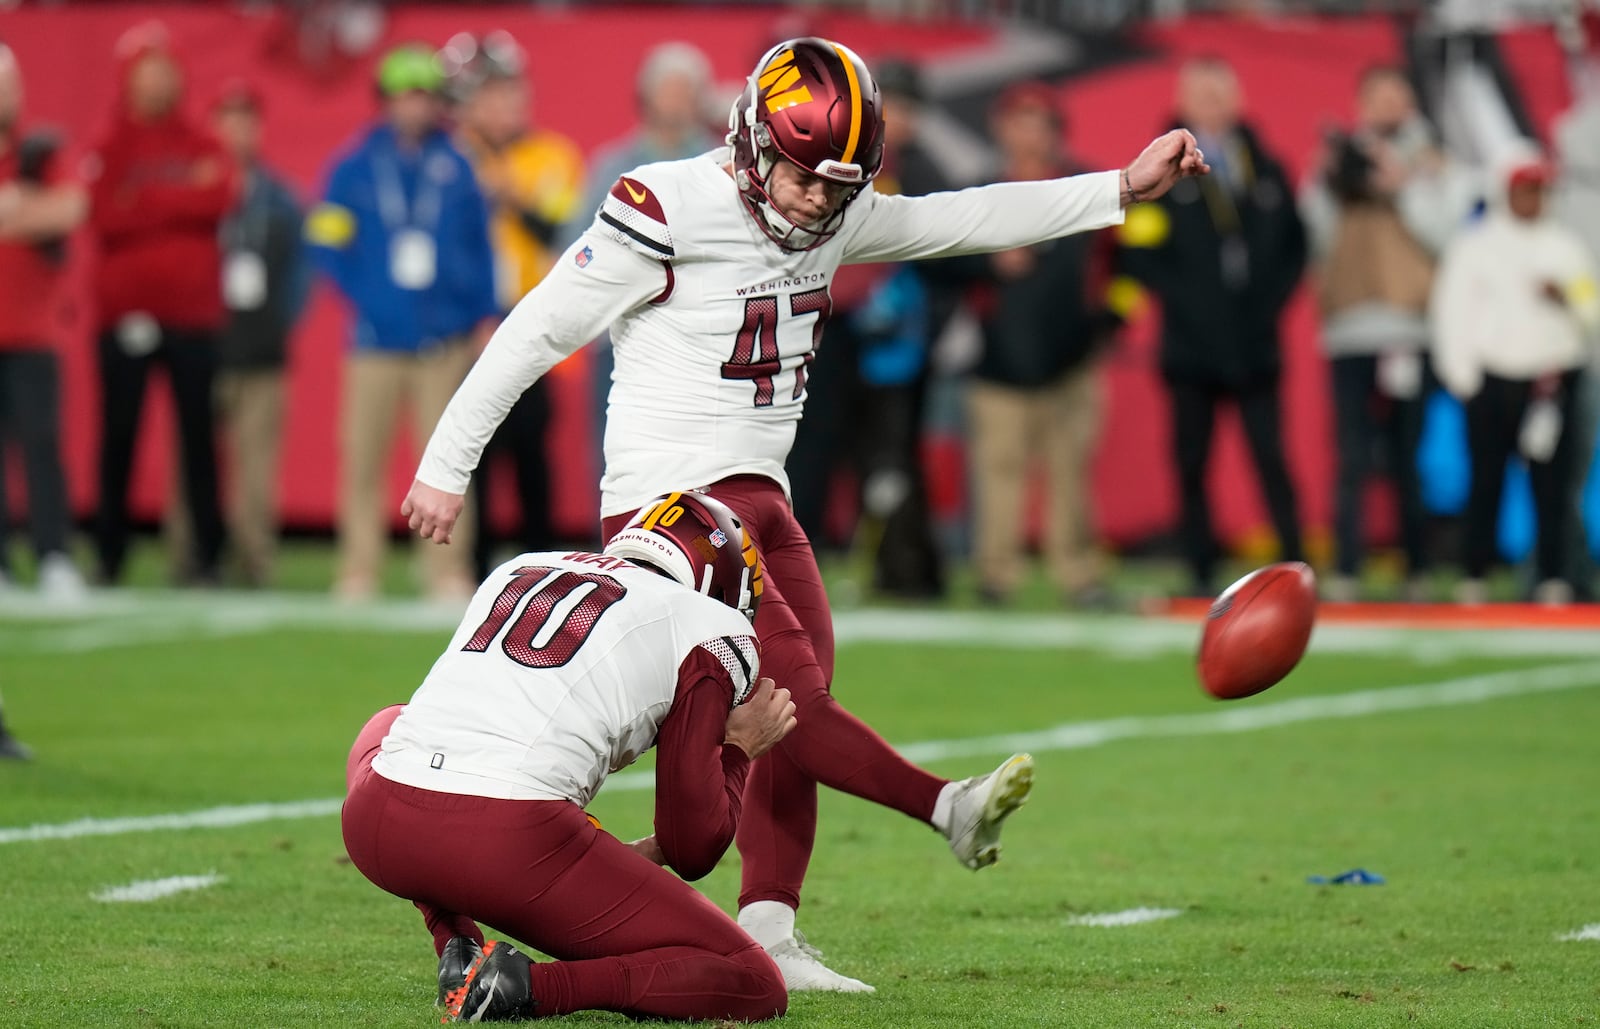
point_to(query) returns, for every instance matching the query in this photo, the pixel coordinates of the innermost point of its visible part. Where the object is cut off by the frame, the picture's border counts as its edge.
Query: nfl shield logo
(718, 538)
(583, 257)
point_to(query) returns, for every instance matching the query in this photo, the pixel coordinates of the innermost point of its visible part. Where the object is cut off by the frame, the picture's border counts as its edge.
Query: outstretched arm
(570, 307)
(1016, 214)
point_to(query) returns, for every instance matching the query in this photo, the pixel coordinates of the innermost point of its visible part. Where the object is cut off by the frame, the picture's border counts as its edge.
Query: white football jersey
(561, 672)
(714, 324)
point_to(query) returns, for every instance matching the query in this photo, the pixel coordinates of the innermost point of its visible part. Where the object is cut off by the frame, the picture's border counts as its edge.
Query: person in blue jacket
(403, 235)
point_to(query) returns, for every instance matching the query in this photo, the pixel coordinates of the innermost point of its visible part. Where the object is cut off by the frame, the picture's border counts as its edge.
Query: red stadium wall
(582, 66)
(1297, 76)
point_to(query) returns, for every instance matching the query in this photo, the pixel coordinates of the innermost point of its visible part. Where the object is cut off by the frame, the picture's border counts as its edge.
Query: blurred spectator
(1036, 394)
(867, 387)
(39, 207)
(895, 365)
(532, 179)
(1577, 140)
(160, 188)
(1514, 312)
(403, 233)
(671, 90)
(265, 277)
(1576, 204)
(1223, 254)
(1378, 209)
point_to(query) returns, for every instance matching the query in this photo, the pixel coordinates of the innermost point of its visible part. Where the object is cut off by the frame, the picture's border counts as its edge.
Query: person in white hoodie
(1515, 309)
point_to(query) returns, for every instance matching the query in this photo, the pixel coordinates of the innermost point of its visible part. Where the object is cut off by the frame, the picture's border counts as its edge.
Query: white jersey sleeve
(601, 277)
(979, 220)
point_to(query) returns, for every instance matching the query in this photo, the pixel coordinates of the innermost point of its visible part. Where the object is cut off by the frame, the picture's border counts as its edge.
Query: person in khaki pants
(532, 178)
(265, 279)
(1011, 427)
(1035, 394)
(403, 232)
(376, 386)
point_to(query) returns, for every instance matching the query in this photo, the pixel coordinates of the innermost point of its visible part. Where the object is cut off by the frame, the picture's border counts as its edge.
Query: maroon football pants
(627, 935)
(829, 745)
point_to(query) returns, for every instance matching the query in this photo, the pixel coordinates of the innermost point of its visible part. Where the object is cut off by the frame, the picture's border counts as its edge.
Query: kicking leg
(829, 746)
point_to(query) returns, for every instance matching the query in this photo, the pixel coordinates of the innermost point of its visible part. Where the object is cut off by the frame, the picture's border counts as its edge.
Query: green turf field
(1484, 815)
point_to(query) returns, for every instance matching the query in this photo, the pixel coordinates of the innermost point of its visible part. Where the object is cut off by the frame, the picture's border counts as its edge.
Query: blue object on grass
(1354, 877)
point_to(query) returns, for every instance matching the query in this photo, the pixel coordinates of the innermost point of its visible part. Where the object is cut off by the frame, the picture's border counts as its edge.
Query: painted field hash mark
(145, 890)
(1132, 916)
(1588, 932)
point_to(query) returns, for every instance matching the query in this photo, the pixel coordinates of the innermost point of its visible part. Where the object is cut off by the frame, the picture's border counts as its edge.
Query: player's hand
(431, 512)
(648, 849)
(759, 723)
(1170, 158)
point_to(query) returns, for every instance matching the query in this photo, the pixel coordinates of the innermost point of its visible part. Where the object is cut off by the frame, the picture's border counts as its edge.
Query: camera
(1350, 168)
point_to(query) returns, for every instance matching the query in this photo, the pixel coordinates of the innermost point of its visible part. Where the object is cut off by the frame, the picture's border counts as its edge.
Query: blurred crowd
(1444, 290)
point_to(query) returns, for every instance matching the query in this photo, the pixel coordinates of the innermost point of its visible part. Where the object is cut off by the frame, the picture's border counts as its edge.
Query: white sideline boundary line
(1069, 736)
(112, 619)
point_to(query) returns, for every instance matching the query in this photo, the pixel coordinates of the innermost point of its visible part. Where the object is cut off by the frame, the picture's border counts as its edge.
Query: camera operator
(1379, 208)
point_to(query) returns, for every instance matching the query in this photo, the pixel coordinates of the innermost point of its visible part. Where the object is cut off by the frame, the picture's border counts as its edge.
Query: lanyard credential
(392, 205)
(413, 260)
(244, 245)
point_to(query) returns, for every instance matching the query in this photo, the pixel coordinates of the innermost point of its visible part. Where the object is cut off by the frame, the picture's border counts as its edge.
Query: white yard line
(115, 619)
(1069, 736)
(1588, 932)
(1221, 720)
(1133, 916)
(208, 818)
(145, 890)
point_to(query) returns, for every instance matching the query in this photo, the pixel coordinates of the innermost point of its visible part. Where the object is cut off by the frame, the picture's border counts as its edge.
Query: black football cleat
(499, 988)
(460, 954)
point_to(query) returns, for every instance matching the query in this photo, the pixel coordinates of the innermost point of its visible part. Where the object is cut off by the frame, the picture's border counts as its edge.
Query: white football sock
(769, 922)
(944, 807)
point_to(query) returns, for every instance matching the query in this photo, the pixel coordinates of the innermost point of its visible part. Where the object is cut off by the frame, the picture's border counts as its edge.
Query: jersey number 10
(523, 643)
(755, 351)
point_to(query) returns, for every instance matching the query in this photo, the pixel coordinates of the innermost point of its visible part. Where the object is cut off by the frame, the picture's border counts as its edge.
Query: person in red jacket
(160, 187)
(40, 206)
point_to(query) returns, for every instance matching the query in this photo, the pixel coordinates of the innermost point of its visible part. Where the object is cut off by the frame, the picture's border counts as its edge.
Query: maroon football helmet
(814, 103)
(698, 541)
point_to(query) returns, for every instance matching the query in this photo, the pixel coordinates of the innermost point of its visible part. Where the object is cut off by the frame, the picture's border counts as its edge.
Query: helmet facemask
(756, 148)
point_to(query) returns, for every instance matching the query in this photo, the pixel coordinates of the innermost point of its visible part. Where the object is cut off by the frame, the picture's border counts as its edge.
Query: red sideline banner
(1298, 75)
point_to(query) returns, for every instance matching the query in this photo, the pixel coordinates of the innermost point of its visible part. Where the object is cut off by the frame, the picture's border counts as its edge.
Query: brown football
(1257, 630)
